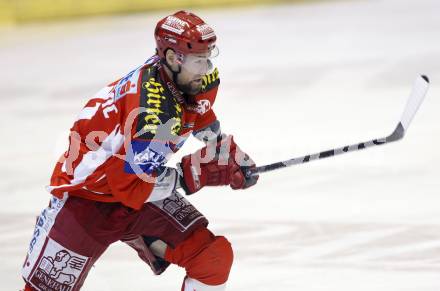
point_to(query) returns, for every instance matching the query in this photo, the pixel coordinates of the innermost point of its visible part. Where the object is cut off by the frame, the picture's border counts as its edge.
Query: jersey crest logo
(203, 106)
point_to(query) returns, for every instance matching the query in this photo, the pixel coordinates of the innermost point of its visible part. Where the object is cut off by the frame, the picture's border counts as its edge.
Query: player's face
(193, 68)
(190, 82)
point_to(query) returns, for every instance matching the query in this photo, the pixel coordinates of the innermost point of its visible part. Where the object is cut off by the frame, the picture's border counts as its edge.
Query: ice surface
(295, 80)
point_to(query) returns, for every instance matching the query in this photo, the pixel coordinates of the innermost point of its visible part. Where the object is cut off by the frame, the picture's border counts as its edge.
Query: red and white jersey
(128, 130)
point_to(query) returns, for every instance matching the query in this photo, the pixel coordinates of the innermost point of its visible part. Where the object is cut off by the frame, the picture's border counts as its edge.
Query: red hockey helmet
(185, 33)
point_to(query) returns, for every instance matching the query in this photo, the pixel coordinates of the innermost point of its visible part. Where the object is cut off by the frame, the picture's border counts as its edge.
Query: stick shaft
(397, 134)
(415, 99)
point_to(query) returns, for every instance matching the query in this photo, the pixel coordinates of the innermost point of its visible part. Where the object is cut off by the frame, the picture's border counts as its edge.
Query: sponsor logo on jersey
(146, 156)
(158, 129)
(154, 104)
(58, 268)
(162, 113)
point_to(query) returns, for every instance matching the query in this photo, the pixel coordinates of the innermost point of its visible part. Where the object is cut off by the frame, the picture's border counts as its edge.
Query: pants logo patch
(182, 212)
(58, 269)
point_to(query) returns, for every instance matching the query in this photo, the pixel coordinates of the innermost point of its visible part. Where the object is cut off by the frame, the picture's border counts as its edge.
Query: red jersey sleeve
(93, 166)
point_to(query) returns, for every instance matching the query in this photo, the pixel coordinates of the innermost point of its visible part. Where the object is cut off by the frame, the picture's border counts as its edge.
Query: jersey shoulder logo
(127, 85)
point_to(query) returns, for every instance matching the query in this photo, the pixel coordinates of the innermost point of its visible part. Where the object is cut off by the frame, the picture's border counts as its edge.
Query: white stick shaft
(415, 100)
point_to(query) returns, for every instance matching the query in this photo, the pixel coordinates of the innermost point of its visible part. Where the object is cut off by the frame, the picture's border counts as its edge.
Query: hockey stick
(414, 101)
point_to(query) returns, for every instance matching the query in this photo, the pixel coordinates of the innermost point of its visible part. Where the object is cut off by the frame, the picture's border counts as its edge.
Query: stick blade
(416, 98)
(397, 134)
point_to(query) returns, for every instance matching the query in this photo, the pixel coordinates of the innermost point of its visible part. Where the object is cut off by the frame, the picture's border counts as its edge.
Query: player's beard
(191, 88)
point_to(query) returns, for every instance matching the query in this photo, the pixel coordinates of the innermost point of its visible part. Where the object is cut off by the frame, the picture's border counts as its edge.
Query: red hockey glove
(221, 163)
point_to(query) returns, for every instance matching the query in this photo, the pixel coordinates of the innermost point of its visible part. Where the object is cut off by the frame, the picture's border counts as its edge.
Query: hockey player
(112, 183)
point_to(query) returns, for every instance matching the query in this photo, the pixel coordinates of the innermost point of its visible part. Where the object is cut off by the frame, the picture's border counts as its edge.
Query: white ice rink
(295, 80)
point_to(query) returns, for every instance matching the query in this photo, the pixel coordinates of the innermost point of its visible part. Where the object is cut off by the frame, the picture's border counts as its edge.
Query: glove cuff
(181, 180)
